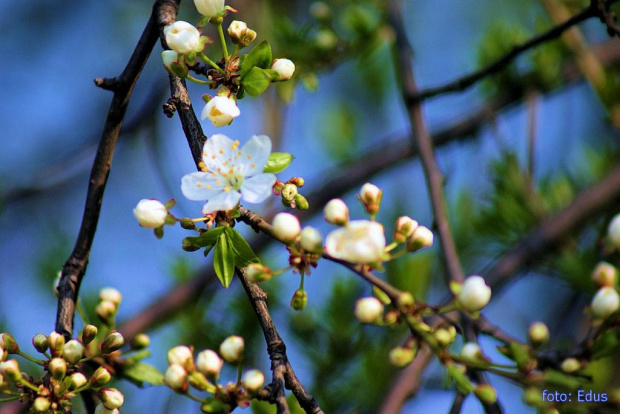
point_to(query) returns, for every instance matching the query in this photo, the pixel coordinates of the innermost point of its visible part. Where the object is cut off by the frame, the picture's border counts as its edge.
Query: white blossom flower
(360, 241)
(605, 302)
(286, 227)
(209, 8)
(368, 310)
(613, 231)
(475, 294)
(220, 110)
(311, 240)
(253, 380)
(150, 213)
(183, 38)
(230, 173)
(284, 68)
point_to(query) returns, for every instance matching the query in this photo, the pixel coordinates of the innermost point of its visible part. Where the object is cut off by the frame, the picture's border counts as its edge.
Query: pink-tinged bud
(471, 352)
(237, 30)
(77, 380)
(10, 369)
(113, 342)
(257, 272)
(370, 195)
(253, 380)
(73, 351)
(570, 365)
(538, 333)
(41, 405)
(3, 354)
(605, 274)
(286, 227)
(311, 240)
(39, 341)
(336, 212)
(176, 378)
(474, 294)
(231, 349)
(421, 238)
(299, 299)
(58, 368)
(285, 69)
(401, 356)
(605, 303)
(368, 310)
(56, 343)
(405, 226)
(89, 333)
(182, 356)
(111, 295)
(8, 343)
(111, 398)
(210, 364)
(106, 311)
(486, 394)
(140, 341)
(100, 377)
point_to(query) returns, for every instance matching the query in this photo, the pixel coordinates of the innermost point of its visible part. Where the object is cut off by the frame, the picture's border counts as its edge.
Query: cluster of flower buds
(109, 302)
(606, 301)
(289, 192)
(415, 236)
(240, 34)
(305, 246)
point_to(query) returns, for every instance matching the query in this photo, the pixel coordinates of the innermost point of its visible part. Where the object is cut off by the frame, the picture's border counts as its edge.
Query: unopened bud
(336, 212)
(250, 36)
(405, 226)
(471, 352)
(10, 369)
(613, 231)
(56, 343)
(8, 343)
(538, 333)
(401, 356)
(39, 341)
(176, 378)
(570, 365)
(405, 301)
(231, 349)
(486, 394)
(253, 380)
(286, 227)
(299, 299)
(368, 310)
(285, 68)
(605, 303)
(289, 191)
(73, 351)
(114, 341)
(106, 311)
(237, 30)
(100, 377)
(182, 356)
(111, 295)
(311, 240)
(41, 405)
(257, 272)
(301, 203)
(605, 274)
(474, 294)
(58, 368)
(140, 341)
(370, 195)
(89, 333)
(209, 363)
(277, 188)
(77, 380)
(111, 398)
(100, 409)
(297, 181)
(421, 238)
(443, 337)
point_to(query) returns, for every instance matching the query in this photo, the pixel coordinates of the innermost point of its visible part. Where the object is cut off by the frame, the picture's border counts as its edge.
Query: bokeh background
(519, 165)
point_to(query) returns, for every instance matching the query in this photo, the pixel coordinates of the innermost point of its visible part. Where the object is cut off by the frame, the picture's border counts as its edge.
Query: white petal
(201, 186)
(255, 154)
(258, 188)
(217, 152)
(223, 201)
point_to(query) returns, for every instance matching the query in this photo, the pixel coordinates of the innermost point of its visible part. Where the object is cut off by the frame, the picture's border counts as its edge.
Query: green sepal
(191, 58)
(224, 260)
(206, 98)
(137, 357)
(278, 162)
(170, 220)
(143, 374)
(159, 232)
(240, 92)
(179, 69)
(256, 81)
(560, 379)
(274, 75)
(381, 295)
(260, 56)
(244, 255)
(206, 239)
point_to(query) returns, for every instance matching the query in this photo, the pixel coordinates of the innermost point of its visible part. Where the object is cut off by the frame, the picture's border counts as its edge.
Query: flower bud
(257, 272)
(311, 240)
(370, 195)
(58, 368)
(471, 352)
(3, 356)
(301, 203)
(486, 394)
(570, 365)
(8, 343)
(140, 341)
(237, 30)
(41, 405)
(77, 380)
(605, 274)
(401, 356)
(474, 294)
(445, 336)
(150, 213)
(299, 299)
(183, 38)
(605, 302)
(221, 110)
(336, 212)
(249, 37)
(111, 398)
(210, 8)
(285, 69)
(231, 349)
(253, 380)
(209, 363)
(111, 295)
(421, 238)
(360, 241)
(405, 226)
(176, 378)
(169, 57)
(100, 409)
(56, 343)
(326, 40)
(39, 341)
(114, 341)
(289, 192)
(613, 232)
(182, 356)
(286, 227)
(368, 310)
(100, 377)
(10, 369)
(73, 351)
(320, 11)
(298, 181)
(89, 333)
(538, 333)
(106, 311)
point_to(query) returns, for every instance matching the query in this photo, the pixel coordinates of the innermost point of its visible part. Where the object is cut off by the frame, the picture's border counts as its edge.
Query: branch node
(109, 84)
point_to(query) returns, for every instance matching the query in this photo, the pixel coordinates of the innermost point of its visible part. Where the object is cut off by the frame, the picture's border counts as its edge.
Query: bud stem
(239, 372)
(220, 31)
(81, 312)
(29, 385)
(210, 62)
(198, 81)
(29, 358)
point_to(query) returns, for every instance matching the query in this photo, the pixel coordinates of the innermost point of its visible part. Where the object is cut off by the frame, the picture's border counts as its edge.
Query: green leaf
(256, 81)
(206, 239)
(278, 162)
(224, 260)
(259, 56)
(244, 255)
(142, 373)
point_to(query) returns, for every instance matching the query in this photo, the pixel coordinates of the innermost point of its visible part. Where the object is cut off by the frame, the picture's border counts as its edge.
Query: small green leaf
(224, 260)
(259, 56)
(206, 239)
(159, 232)
(244, 255)
(278, 162)
(256, 81)
(142, 373)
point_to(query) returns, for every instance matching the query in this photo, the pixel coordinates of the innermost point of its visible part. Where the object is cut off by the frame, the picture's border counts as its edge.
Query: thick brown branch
(75, 267)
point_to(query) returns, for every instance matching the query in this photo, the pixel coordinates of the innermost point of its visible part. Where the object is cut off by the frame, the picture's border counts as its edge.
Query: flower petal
(254, 155)
(201, 186)
(223, 201)
(217, 152)
(258, 188)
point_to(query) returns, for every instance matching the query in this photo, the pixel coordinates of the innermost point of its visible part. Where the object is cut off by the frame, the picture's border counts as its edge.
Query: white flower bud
(112, 342)
(368, 310)
(150, 213)
(311, 240)
(538, 333)
(605, 302)
(237, 30)
(56, 343)
(58, 368)
(360, 241)
(10, 369)
(471, 352)
(570, 365)
(220, 110)
(421, 238)
(72, 351)
(370, 195)
(401, 356)
(183, 38)
(111, 398)
(77, 380)
(404, 228)
(613, 231)
(285, 68)
(605, 274)
(100, 377)
(336, 212)
(41, 405)
(286, 227)
(253, 380)
(110, 294)
(106, 311)
(100, 409)
(209, 8)
(474, 295)
(169, 57)
(231, 349)
(176, 378)
(181, 355)
(209, 363)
